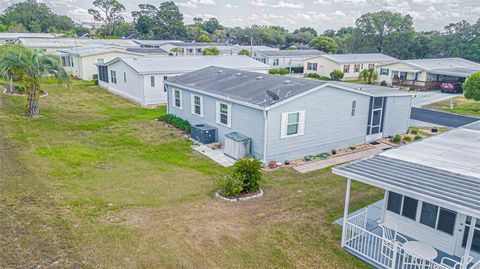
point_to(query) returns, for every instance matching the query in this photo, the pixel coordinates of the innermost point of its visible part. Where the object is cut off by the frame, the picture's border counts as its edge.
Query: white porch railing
(379, 250)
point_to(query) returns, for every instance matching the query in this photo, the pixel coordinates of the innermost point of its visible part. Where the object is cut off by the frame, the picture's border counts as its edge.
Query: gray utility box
(204, 133)
(237, 145)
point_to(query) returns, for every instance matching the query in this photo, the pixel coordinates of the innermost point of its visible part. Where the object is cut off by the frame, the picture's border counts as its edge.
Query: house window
(292, 124)
(152, 81)
(384, 71)
(197, 105)
(356, 68)
(67, 61)
(103, 73)
(100, 60)
(125, 77)
(371, 66)
(403, 75)
(276, 62)
(177, 98)
(476, 234)
(354, 107)
(403, 205)
(224, 114)
(312, 66)
(113, 76)
(346, 68)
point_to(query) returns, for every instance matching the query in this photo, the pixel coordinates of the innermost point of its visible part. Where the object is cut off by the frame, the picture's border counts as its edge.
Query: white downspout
(265, 134)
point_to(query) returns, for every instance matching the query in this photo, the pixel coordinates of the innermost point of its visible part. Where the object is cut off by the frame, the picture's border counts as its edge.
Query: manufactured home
(349, 64)
(53, 45)
(426, 74)
(141, 79)
(429, 215)
(286, 118)
(284, 58)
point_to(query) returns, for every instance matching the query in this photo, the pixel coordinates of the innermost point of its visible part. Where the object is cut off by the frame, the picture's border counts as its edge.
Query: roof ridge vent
(219, 71)
(259, 77)
(287, 81)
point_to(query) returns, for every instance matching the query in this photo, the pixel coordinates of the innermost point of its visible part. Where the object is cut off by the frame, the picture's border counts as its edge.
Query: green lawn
(97, 183)
(463, 106)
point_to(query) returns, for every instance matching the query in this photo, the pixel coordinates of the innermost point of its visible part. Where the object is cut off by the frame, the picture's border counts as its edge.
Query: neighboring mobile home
(140, 79)
(287, 118)
(429, 216)
(350, 64)
(80, 62)
(426, 74)
(196, 48)
(284, 58)
(53, 45)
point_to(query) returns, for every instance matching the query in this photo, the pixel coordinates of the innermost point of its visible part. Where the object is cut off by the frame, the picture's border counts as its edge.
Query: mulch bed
(242, 197)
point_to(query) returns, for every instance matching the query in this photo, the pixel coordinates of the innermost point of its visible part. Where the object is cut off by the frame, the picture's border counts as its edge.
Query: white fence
(379, 250)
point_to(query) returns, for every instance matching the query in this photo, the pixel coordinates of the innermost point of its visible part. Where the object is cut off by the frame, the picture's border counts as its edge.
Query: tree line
(381, 32)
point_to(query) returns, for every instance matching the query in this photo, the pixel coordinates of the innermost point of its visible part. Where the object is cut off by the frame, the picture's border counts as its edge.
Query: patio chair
(391, 239)
(449, 263)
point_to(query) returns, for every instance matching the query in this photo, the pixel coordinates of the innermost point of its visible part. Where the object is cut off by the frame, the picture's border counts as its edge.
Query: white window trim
(353, 112)
(284, 124)
(192, 105)
(229, 116)
(153, 82)
(173, 98)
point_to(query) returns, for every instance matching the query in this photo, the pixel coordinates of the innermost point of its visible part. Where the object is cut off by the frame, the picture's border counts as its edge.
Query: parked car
(451, 87)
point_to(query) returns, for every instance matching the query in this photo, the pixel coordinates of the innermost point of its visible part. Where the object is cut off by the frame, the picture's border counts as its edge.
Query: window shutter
(192, 103)
(229, 115)
(173, 97)
(217, 112)
(181, 99)
(201, 106)
(283, 126)
(301, 122)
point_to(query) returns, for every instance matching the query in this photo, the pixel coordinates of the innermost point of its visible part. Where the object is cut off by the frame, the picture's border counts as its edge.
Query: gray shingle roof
(250, 87)
(148, 50)
(73, 42)
(444, 66)
(360, 58)
(290, 53)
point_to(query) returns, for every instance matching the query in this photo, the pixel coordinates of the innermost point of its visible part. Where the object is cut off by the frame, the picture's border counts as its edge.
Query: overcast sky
(319, 14)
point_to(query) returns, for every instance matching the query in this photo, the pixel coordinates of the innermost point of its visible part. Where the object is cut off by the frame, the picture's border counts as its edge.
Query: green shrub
(336, 74)
(352, 147)
(397, 139)
(313, 75)
(414, 131)
(383, 83)
(230, 185)
(325, 78)
(176, 121)
(334, 151)
(281, 71)
(418, 137)
(249, 170)
(407, 139)
(19, 89)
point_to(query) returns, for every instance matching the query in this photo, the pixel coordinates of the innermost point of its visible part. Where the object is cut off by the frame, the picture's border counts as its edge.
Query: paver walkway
(320, 164)
(216, 155)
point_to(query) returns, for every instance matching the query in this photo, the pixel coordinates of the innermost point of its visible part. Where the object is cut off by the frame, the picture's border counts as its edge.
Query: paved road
(440, 118)
(425, 98)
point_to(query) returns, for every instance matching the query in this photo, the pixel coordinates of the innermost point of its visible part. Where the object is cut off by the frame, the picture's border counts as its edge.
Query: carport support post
(468, 246)
(345, 211)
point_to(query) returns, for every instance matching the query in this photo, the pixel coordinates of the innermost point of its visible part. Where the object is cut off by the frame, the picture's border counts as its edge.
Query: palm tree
(369, 75)
(31, 66)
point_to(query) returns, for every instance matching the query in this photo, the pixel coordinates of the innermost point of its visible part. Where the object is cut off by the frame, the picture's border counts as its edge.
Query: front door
(463, 227)
(375, 118)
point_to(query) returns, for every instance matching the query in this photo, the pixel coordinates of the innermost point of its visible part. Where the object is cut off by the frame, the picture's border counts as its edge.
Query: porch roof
(444, 170)
(457, 72)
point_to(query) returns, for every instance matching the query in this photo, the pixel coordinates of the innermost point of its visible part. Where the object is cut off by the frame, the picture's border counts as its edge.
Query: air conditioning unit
(237, 145)
(204, 133)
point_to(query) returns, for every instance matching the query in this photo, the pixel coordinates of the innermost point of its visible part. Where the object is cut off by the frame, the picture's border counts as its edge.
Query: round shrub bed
(8, 91)
(241, 197)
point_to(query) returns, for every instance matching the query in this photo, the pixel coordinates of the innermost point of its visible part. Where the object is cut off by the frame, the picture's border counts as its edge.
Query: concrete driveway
(422, 117)
(425, 98)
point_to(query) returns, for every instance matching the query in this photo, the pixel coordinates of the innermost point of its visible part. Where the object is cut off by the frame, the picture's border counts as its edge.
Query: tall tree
(324, 43)
(164, 22)
(31, 66)
(108, 12)
(211, 25)
(373, 28)
(472, 87)
(34, 17)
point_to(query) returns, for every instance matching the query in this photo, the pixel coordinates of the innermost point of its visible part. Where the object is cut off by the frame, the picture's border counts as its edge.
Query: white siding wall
(132, 89)
(328, 124)
(397, 116)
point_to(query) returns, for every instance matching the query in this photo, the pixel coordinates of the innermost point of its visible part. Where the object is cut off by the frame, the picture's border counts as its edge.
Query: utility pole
(251, 46)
